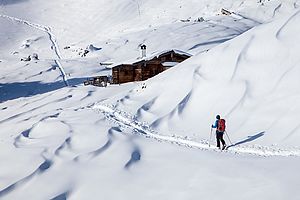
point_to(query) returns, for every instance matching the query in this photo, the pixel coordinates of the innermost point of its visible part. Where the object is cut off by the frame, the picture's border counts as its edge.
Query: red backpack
(221, 125)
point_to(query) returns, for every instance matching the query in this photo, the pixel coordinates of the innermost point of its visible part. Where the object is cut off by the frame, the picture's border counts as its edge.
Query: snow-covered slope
(250, 80)
(80, 23)
(149, 140)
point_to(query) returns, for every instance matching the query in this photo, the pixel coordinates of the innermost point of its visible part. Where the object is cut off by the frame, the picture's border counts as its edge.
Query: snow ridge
(52, 38)
(124, 120)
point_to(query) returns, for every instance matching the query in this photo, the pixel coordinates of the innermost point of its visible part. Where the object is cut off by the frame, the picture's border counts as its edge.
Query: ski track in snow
(52, 38)
(123, 120)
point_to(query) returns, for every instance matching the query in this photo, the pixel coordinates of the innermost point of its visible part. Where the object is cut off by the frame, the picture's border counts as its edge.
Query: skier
(220, 129)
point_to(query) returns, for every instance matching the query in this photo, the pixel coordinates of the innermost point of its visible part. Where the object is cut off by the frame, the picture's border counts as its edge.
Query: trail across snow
(52, 38)
(124, 120)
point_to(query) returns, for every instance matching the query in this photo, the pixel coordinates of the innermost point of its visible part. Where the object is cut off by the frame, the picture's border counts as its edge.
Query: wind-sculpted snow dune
(152, 141)
(73, 152)
(124, 120)
(252, 81)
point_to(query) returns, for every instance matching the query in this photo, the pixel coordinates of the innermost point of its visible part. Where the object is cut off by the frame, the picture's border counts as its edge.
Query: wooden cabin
(147, 67)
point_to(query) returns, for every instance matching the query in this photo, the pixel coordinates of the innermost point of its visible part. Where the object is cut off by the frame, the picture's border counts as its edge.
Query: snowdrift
(251, 81)
(59, 142)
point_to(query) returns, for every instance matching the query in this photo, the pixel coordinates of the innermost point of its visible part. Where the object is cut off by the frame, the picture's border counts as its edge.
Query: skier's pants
(220, 138)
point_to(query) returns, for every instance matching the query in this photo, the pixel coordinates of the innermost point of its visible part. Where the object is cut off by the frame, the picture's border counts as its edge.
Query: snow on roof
(150, 57)
(157, 54)
(167, 51)
(169, 64)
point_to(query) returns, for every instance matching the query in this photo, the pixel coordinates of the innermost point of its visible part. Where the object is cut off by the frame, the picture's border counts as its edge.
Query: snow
(169, 64)
(150, 140)
(139, 127)
(252, 103)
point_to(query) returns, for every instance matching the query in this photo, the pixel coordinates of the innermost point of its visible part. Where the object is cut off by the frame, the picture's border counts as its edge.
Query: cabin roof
(152, 56)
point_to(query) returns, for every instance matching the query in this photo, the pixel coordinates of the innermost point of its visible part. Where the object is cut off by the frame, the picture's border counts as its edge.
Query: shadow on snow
(135, 157)
(41, 169)
(8, 2)
(61, 196)
(11, 91)
(249, 139)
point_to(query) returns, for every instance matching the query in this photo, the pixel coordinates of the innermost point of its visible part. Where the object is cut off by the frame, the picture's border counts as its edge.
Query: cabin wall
(179, 58)
(148, 69)
(123, 74)
(151, 70)
(172, 57)
(138, 74)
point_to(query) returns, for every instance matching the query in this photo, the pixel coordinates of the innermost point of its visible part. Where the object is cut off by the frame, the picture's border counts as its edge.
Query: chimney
(143, 48)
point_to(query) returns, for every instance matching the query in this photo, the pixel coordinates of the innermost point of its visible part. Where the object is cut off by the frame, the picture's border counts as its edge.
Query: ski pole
(228, 137)
(210, 136)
